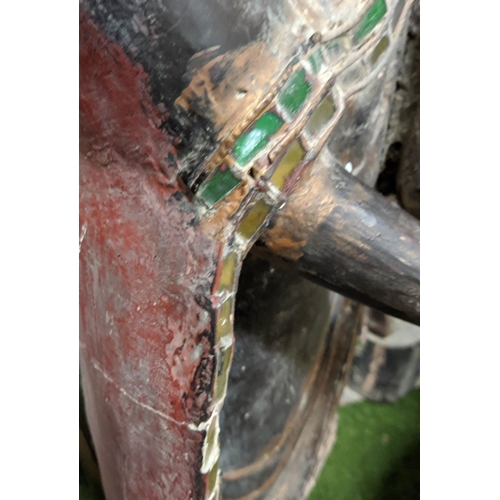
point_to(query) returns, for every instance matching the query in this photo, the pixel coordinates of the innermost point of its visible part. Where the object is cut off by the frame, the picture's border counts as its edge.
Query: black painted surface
(280, 321)
(162, 35)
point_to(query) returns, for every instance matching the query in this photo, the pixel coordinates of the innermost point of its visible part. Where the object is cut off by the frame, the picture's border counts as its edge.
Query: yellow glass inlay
(212, 437)
(354, 75)
(212, 477)
(294, 155)
(379, 50)
(224, 321)
(223, 374)
(320, 118)
(253, 220)
(228, 270)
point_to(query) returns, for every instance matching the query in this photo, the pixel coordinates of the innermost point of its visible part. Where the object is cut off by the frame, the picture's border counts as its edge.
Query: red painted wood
(146, 344)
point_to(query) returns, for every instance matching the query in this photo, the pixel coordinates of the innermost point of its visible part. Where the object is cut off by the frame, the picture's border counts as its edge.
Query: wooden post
(349, 238)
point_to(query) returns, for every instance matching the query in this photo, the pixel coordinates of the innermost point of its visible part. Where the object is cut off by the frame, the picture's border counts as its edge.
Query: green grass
(377, 453)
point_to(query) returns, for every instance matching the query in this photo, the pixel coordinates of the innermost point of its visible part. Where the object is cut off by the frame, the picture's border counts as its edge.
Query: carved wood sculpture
(209, 129)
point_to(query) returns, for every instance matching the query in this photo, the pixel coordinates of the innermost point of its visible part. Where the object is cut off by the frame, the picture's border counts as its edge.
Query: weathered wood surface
(349, 238)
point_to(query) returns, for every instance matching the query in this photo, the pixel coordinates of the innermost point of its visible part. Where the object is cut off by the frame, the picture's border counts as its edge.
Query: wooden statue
(228, 152)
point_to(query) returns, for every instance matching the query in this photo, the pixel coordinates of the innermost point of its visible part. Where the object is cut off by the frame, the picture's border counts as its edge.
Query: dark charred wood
(163, 36)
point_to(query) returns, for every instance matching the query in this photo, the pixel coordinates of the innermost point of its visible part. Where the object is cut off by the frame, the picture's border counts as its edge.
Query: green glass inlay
(320, 118)
(250, 143)
(375, 13)
(295, 92)
(379, 50)
(294, 155)
(316, 60)
(218, 187)
(253, 219)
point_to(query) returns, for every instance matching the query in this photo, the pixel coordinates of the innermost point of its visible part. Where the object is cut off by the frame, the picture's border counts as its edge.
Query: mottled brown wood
(349, 238)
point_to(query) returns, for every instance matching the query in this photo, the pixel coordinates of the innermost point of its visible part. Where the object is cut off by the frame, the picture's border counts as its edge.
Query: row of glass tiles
(291, 100)
(225, 289)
